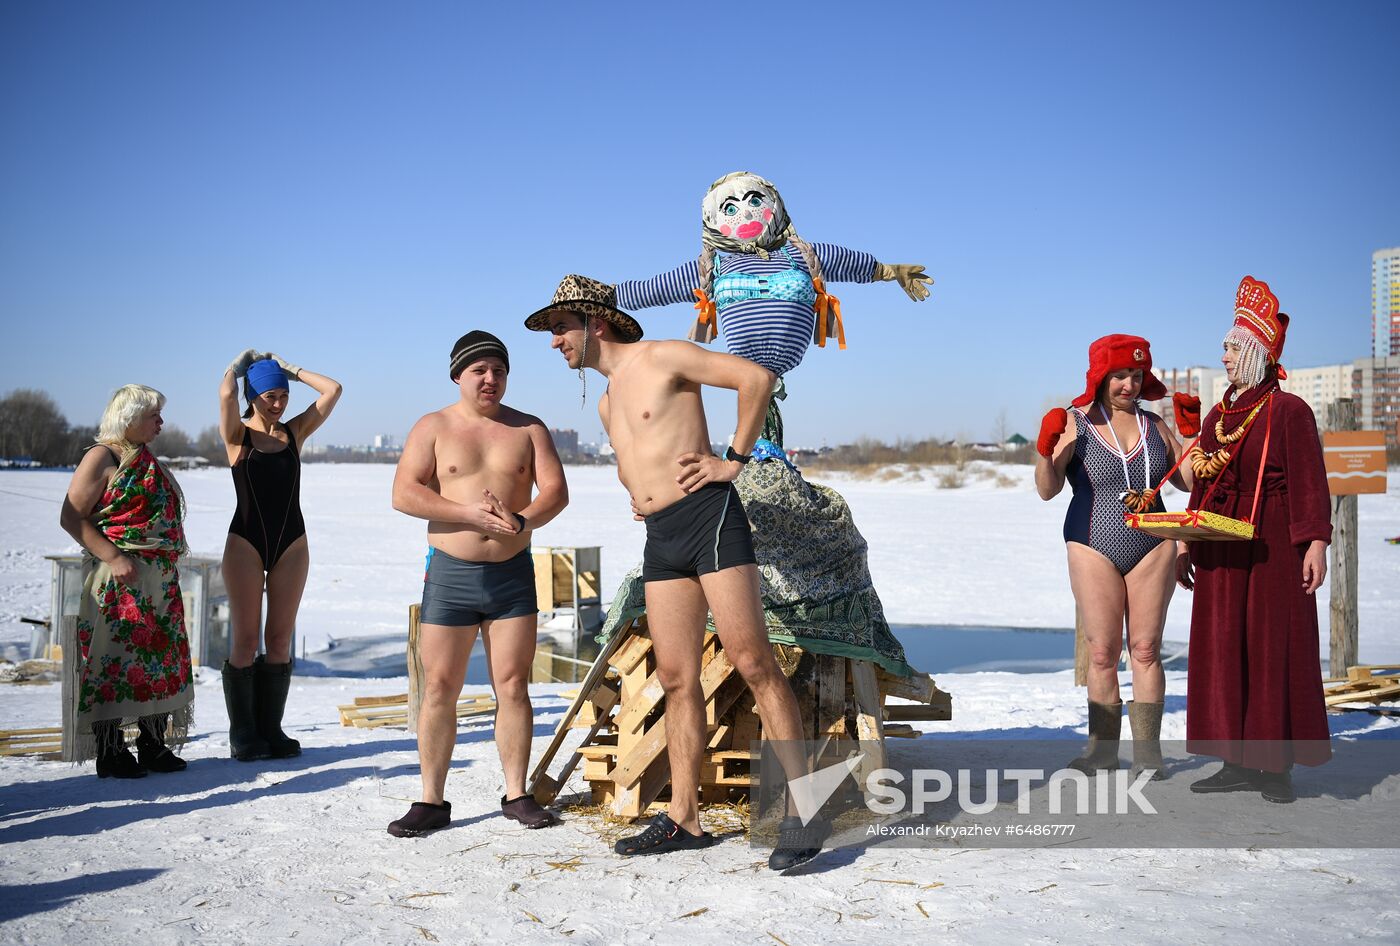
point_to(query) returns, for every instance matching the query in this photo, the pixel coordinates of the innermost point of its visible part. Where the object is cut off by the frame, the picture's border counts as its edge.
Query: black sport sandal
(663, 836)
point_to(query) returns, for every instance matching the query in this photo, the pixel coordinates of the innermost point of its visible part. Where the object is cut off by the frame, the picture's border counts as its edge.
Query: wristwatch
(731, 454)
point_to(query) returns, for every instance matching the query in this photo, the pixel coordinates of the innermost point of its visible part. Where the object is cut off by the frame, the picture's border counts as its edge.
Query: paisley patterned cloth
(813, 574)
(135, 657)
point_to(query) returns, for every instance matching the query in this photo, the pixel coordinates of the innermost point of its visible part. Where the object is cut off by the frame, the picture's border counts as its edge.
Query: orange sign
(1355, 461)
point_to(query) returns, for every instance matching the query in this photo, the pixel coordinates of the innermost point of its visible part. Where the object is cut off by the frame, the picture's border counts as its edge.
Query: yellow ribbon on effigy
(706, 325)
(828, 303)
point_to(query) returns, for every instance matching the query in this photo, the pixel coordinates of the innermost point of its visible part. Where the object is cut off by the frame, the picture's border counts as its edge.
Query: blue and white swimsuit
(1095, 473)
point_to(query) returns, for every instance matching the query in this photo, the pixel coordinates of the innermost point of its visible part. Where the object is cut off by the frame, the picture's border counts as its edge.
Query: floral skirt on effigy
(814, 576)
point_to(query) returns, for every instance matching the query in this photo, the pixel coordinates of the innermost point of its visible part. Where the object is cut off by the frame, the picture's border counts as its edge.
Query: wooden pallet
(373, 712)
(1367, 683)
(843, 704)
(45, 743)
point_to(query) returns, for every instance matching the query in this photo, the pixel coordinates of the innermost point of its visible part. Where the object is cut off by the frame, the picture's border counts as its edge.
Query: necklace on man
(1136, 500)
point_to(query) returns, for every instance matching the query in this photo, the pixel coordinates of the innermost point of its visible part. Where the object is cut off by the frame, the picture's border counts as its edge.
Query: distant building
(565, 441)
(1376, 389)
(1208, 384)
(1385, 303)
(384, 442)
(1319, 386)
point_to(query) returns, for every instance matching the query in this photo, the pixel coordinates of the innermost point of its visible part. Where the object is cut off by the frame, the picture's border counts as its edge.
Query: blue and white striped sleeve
(842, 265)
(678, 285)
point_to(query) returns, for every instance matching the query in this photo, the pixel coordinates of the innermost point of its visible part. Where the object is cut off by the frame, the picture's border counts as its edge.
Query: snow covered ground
(295, 851)
(984, 554)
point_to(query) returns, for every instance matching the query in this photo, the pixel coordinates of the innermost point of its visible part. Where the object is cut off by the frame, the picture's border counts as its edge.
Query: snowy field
(980, 555)
(295, 851)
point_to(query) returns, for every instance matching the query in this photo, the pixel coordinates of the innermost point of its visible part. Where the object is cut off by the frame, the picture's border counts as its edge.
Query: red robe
(1254, 680)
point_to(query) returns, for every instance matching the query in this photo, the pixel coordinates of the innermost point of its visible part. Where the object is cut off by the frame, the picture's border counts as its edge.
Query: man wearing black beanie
(469, 470)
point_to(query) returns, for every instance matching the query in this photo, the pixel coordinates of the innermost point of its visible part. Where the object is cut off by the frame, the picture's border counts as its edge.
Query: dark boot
(114, 759)
(1230, 778)
(151, 749)
(1277, 787)
(244, 743)
(1145, 719)
(270, 699)
(1105, 727)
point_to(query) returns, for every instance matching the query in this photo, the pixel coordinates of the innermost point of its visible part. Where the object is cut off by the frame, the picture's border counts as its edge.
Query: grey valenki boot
(1105, 728)
(1145, 720)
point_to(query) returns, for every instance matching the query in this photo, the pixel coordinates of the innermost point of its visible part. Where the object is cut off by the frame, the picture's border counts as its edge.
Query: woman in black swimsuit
(266, 545)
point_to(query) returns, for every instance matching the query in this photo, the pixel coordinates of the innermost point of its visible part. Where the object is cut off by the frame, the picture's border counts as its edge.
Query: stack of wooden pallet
(621, 705)
(372, 712)
(1368, 683)
(45, 743)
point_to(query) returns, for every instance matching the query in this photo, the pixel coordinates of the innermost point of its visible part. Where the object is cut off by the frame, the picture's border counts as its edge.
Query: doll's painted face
(744, 208)
(745, 217)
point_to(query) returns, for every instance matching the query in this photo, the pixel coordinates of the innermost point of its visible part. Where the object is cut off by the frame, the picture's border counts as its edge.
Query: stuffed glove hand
(290, 370)
(1187, 408)
(1051, 426)
(910, 277)
(239, 365)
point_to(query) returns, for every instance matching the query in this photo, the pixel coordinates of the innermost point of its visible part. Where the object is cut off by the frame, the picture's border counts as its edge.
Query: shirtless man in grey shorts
(699, 549)
(468, 469)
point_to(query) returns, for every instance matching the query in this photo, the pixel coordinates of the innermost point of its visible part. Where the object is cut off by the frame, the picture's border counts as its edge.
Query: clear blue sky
(355, 184)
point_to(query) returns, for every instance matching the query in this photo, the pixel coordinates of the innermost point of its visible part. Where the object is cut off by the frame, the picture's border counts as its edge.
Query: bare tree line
(32, 426)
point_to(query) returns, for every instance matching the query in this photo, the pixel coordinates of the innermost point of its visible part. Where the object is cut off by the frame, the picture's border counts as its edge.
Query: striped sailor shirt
(772, 332)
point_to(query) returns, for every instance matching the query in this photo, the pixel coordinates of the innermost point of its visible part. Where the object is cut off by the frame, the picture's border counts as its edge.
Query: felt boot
(270, 698)
(114, 759)
(151, 749)
(1145, 719)
(1105, 727)
(244, 743)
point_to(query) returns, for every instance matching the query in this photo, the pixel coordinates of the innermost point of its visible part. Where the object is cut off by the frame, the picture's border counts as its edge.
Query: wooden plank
(831, 696)
(42, 730)
(416, 675)
(870, 720)
(1375, 695)
(916, 711)
(918, 687)
(596, 674)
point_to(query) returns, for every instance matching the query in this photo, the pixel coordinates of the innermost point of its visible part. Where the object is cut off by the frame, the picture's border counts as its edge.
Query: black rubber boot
(1105, 728)
(1277, 787)
(114, 759)
(244, 743)
(270, 698)
(151, 749)
(1146, 722)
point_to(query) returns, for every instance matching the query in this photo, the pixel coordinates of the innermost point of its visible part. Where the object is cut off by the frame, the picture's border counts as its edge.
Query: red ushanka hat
(1114, 353)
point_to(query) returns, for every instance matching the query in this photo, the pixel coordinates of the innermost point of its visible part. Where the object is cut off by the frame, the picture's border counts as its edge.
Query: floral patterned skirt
(135, 657)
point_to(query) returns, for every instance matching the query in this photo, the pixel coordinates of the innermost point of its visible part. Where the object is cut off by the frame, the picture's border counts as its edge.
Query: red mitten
(1187, 408)
(1051, 426)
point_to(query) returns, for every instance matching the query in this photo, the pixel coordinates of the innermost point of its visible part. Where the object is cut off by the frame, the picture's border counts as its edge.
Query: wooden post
(1341, 415)
(415, 670)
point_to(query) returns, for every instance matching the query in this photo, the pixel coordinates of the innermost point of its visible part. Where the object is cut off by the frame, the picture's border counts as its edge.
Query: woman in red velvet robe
(1254, 683)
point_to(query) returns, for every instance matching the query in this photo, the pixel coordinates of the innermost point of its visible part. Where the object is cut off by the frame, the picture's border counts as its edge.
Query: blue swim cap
(264, 376)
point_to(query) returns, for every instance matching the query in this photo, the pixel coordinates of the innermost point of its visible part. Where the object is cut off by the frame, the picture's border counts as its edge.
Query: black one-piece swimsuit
(268, 486)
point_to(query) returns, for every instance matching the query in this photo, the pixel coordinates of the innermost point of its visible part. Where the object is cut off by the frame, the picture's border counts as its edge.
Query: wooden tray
(1192, 525)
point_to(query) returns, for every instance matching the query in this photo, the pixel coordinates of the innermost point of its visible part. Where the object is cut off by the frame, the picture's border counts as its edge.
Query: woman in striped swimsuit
(1114, 457)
